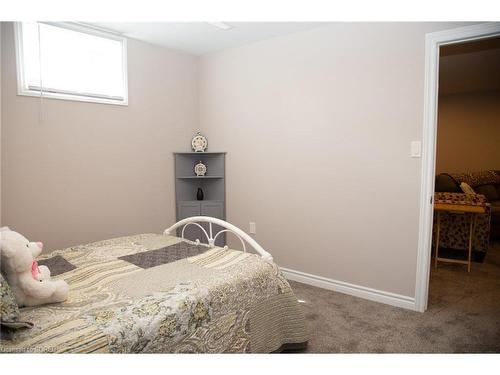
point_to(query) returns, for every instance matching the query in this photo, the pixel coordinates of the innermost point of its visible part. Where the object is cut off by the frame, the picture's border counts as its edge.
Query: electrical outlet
(253, 228)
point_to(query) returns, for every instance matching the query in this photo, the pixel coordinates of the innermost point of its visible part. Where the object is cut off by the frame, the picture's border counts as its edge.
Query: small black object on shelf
(199, 194)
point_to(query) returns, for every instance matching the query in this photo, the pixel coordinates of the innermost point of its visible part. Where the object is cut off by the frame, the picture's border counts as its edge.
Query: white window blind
(69, 61)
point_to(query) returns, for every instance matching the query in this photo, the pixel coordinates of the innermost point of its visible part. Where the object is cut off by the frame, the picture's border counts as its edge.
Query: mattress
(153, 293)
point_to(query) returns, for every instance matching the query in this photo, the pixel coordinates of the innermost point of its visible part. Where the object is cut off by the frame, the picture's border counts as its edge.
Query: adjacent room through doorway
(465, 270)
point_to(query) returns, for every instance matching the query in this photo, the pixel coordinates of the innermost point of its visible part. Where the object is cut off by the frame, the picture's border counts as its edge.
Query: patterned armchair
(486, 183)
(455, 226)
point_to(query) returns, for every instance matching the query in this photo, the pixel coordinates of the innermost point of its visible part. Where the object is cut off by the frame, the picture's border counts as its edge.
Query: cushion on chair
(445, 183)
(489, 191)
(477, 178)
(467, 189)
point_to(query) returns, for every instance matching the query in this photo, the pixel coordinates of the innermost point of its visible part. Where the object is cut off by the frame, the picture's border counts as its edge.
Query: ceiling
(199, 38)
(470, 67)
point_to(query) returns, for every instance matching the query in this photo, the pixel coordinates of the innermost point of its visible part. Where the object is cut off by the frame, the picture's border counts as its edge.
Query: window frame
(24, 90)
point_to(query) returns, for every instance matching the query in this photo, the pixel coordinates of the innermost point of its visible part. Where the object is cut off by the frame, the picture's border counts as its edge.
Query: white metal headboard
(211, 237)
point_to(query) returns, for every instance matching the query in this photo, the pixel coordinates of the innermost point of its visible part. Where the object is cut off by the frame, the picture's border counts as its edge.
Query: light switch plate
(416, 149)
(253, 228)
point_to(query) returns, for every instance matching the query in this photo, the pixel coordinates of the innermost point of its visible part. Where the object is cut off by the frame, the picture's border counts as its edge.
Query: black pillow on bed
(57, 265)
(153, 258)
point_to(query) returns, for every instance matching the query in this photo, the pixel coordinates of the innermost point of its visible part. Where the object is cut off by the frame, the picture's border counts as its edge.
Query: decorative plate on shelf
(200, 169)
(199, 142)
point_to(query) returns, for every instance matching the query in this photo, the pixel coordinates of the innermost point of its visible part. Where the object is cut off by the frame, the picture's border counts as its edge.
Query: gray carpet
(463, 316)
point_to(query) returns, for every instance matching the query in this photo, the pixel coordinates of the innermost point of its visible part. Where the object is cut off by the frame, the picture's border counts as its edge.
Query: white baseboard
(351, 289)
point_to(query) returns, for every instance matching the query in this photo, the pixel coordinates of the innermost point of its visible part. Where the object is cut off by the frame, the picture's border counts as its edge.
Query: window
(71, 61)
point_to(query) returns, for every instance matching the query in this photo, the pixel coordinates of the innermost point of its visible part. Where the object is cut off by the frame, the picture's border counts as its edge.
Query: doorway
(433, 44)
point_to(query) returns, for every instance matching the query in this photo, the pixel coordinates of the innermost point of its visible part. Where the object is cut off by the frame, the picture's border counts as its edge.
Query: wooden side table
(473, 210)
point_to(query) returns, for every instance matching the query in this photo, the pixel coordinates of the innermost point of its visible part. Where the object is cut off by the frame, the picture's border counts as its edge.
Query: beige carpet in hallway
(463, 316)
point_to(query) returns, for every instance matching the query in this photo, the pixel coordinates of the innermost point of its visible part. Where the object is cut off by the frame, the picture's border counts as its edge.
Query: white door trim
(432, 43)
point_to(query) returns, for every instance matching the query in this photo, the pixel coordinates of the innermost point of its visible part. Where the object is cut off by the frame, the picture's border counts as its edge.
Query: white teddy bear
(30, 283)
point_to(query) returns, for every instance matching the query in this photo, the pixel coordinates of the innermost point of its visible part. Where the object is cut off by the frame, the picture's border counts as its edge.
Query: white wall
(318, 126)
(468, 132)
(90, 171)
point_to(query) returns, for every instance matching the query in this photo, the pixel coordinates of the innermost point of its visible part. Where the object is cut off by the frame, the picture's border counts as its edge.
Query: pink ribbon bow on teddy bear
(35, 271)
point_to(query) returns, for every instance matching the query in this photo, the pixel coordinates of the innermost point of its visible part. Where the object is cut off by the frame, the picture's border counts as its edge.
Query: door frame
(432, 43)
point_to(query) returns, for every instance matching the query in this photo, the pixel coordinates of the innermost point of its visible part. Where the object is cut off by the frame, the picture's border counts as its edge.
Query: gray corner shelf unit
(213, 185)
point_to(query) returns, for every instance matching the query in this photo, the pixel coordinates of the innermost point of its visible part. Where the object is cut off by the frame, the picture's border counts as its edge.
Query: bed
(159, 293)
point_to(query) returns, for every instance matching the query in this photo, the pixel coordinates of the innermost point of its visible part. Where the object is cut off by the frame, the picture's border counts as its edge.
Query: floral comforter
(217, 301)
